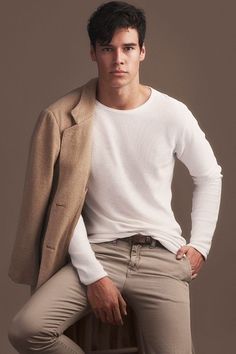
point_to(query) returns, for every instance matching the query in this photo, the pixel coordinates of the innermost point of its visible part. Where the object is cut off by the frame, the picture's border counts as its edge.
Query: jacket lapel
(85, 108)
(76, 150)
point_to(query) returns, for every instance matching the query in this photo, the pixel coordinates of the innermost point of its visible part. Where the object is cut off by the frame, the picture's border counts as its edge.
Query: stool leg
(88, 333)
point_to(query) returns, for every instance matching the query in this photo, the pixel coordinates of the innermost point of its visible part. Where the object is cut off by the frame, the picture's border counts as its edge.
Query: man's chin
(114, 82)
(118, 82)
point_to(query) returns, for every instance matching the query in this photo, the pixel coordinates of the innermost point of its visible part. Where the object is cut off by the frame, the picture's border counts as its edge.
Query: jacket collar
(85, 107)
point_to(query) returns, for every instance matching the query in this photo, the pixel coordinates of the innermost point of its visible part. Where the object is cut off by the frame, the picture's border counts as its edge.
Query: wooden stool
(95, 337)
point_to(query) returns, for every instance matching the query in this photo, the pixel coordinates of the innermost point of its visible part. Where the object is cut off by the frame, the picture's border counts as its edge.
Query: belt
(139, 239)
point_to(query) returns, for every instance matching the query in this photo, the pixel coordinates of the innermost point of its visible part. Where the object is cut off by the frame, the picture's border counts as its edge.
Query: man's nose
(118, 56)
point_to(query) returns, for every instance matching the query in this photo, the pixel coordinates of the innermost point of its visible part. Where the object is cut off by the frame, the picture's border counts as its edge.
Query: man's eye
(129, 48)
(106, 49)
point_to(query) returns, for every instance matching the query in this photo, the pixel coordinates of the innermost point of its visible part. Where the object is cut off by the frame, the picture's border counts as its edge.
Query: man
(98, 192)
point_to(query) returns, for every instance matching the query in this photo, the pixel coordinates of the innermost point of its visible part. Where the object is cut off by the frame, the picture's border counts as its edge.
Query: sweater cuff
(88, 279)
(89, 269)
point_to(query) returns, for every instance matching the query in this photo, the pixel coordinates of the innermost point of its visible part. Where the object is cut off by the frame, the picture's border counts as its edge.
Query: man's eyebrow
(125, 45)
(130, 44)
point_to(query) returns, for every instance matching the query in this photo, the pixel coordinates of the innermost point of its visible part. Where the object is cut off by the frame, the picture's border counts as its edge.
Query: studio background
(190, 56)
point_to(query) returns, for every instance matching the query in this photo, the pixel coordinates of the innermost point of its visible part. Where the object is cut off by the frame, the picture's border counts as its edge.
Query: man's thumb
(181, 252)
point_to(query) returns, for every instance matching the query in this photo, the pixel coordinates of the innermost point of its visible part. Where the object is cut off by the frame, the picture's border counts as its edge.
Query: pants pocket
(189, 267)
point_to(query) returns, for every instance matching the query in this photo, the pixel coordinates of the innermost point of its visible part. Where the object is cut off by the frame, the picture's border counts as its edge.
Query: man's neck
(127, 97)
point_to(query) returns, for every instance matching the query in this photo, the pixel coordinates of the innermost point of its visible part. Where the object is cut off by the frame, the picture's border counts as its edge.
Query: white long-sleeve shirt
(129, 189)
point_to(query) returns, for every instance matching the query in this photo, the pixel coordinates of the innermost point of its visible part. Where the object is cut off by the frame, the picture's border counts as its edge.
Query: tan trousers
(152, 281)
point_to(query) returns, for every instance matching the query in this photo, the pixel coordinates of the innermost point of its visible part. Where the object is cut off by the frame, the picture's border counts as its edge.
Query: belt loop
(153, 243)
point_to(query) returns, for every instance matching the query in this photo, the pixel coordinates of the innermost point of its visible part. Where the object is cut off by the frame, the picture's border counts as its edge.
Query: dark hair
(113, 15)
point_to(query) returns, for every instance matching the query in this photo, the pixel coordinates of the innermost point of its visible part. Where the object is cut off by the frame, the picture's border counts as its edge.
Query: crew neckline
(143, 105)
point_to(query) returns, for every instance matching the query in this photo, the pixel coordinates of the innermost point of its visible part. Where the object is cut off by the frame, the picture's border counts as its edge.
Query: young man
(98, 192)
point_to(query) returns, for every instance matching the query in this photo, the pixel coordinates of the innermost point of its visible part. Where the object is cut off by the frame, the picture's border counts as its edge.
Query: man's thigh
(55, 305)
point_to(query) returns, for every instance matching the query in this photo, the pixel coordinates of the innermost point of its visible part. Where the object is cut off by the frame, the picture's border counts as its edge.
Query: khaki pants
(153, 282)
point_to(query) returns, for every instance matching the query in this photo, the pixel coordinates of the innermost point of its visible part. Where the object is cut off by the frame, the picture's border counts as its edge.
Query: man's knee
(24, 332)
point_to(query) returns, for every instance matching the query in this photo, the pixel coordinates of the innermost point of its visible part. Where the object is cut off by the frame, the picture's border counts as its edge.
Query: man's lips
(118, 72)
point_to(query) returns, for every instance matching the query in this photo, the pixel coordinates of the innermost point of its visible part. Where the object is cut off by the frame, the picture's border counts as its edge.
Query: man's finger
(117, 314)
(122, 304)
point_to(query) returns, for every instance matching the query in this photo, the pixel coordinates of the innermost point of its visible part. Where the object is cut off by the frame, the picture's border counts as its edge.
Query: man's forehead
(123, 36)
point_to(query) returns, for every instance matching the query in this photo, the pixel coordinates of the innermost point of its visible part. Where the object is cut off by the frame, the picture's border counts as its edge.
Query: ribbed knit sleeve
(82, 256)
(194, 150)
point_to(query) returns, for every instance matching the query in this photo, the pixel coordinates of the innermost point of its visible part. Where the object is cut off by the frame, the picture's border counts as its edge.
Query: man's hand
(195, 257)
(106, 301)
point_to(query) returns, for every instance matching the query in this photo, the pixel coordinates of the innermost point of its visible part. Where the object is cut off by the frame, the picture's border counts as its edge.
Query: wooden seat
(95, 337)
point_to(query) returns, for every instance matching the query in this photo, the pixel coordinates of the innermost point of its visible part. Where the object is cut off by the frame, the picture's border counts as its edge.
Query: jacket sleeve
(43, 153)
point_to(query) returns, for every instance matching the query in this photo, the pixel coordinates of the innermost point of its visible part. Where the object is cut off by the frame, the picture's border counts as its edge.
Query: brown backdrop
(191, 56)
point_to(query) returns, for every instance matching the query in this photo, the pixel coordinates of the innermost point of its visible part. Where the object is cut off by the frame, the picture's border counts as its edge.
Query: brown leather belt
(139, 239)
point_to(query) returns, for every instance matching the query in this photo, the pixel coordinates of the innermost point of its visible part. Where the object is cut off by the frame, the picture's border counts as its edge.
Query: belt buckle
(139, 239)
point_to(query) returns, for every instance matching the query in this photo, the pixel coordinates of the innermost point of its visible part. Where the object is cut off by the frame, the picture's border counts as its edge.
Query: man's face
(118, 62)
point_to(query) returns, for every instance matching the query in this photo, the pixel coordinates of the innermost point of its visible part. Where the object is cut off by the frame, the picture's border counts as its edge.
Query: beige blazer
(55, 187)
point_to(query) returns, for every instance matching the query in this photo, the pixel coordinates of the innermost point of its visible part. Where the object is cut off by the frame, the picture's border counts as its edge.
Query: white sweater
(129, 189)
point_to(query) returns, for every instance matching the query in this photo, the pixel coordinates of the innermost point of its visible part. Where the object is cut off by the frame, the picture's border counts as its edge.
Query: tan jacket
(55, 186)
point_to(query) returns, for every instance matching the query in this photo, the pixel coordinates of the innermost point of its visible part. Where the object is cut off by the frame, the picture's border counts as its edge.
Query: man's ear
(92, 53)
(142, 53)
